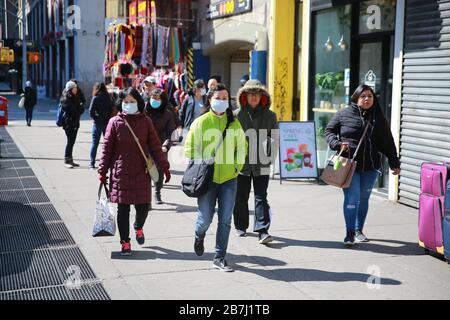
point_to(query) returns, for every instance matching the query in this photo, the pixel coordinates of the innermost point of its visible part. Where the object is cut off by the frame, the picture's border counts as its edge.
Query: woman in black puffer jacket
(72, 110)
(345, 131)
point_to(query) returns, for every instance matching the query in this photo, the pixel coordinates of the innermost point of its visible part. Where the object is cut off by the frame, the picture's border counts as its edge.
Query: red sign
(132, 12)
(142, 11)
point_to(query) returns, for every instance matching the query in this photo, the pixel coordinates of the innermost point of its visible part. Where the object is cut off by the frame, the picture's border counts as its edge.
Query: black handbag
(199, 174)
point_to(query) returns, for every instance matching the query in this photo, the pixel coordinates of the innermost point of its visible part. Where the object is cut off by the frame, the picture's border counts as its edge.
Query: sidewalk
(306, 261)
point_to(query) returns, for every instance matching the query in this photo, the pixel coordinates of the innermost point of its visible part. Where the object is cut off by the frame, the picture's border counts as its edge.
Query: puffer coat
(129, 182)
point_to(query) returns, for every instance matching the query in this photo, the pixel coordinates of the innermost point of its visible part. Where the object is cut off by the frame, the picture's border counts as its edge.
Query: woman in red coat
(130, 184)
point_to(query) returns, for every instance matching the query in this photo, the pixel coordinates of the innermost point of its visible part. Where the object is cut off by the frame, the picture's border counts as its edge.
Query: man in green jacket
(202, 140)
(261, 128)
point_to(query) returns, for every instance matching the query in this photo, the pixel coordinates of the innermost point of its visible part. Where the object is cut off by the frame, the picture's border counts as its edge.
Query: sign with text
(226, 8)
(298, 151)
(132, 12)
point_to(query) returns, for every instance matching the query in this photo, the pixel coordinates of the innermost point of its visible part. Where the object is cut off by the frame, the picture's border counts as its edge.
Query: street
(307, 259)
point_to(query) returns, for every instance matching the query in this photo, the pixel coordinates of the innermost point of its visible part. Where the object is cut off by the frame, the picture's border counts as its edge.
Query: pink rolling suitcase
(433, 181)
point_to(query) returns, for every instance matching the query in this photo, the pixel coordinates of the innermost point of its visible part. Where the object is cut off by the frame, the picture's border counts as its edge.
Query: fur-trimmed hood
(253, 86)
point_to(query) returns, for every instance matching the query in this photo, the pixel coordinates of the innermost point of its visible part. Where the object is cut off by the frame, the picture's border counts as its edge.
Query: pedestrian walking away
(30, 101)
(254, 102)
(72, 110)
(158, 110)
(344, 132)
(229, 160)
(100, 111)
(129, 182)
(193, 106)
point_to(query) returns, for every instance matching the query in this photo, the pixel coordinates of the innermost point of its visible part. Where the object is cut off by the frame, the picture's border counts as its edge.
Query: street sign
(18, 44)
(226, 8)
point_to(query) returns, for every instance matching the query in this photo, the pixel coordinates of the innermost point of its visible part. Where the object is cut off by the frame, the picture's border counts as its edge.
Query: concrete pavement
(306, 261)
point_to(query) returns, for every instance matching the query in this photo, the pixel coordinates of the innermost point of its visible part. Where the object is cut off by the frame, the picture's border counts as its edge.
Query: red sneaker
(140, 238)
(126, 248)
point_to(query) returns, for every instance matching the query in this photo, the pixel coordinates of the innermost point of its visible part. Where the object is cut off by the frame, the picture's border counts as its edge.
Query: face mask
(219, 106)
(130, 108)
(155, 104)
(203, 92)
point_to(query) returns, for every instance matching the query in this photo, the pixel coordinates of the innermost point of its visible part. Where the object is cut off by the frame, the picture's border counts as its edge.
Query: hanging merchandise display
(134, 52)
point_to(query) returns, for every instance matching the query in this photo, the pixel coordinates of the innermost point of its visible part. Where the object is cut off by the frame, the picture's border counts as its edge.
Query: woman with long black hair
(344, 132)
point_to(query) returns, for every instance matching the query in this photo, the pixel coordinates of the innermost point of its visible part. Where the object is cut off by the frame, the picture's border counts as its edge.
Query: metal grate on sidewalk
(38, 256)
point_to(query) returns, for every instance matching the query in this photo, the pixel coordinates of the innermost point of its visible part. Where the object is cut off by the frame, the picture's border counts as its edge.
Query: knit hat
(70, 85)
(150, 79)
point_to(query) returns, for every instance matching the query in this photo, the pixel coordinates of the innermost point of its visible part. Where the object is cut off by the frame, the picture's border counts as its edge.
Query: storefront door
(374, 68)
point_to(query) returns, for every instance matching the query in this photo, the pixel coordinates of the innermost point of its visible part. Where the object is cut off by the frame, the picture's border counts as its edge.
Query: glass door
(375, 69)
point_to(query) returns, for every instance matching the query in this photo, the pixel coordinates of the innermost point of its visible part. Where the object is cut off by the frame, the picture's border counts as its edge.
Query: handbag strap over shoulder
(360, 141)
(137, 140)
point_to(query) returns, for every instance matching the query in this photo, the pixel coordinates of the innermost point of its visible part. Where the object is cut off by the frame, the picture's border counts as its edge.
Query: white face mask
(219, 106)
(130, 108)
(203, 91)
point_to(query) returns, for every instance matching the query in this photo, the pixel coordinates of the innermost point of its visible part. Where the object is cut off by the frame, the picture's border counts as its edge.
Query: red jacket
(129, 183)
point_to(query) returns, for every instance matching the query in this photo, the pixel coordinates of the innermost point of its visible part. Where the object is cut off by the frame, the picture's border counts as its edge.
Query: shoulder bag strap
(360, 141)
(224, 134)
(137, 140)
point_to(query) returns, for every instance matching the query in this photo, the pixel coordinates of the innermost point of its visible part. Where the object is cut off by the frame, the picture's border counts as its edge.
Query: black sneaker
(222, 265)
(140, 238)
(265, 238)
(199, 247)
(126, 248)
(350, 238)
(360, 237)
(68, 164)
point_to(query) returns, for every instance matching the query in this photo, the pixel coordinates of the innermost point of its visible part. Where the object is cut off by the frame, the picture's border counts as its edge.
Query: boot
(73, 163)
(68, 163)
(158, 197)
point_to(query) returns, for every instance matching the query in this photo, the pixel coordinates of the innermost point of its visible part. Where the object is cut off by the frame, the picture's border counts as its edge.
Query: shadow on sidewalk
(287, 275)
(23, 231)
(404, 248)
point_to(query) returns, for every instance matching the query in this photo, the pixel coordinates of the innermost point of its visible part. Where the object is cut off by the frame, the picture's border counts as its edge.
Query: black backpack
(199, 174)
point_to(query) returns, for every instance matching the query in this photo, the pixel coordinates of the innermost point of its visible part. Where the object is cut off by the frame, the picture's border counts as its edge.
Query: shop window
(376, 16)
(332, 70)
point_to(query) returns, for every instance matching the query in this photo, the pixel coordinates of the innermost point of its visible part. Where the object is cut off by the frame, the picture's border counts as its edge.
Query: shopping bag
(104, 220)
(22, 102)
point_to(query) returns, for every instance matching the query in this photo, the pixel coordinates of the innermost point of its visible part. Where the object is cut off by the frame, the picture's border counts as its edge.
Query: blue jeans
(225, 195)
(97, 131)
(356, 201)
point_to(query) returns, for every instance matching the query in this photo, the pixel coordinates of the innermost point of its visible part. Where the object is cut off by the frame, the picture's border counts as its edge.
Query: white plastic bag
(104, 220)
(22, 102)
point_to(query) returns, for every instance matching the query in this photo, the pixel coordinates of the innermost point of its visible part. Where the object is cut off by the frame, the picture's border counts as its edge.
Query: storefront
(230, 32)
(351, 42)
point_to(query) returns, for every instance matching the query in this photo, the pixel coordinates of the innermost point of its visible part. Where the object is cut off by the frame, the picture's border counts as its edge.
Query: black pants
(71, 134)
(159, 184)
(241, 212)
(123, 219)
(29, 114)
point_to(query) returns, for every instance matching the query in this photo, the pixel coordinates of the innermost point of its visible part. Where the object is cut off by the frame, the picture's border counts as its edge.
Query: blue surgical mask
(155, 104)
(220, 106)
(130, 108)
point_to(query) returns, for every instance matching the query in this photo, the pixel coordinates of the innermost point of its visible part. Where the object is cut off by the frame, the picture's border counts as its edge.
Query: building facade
(70, 34)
